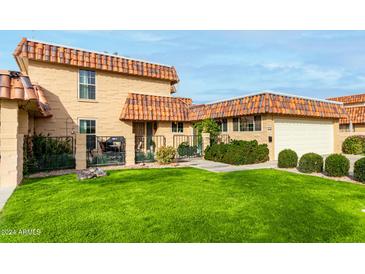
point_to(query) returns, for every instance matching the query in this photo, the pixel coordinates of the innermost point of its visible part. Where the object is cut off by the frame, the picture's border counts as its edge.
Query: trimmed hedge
(359, 170)
(310, 162)
(287, 159)
(238, 152)
(337, 165)
(354, 145)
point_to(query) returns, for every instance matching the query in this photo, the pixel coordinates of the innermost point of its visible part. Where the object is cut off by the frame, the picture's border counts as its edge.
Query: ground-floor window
(222, 125)
(345, 128)
(88, 127)
(177, 127)
(247, 123)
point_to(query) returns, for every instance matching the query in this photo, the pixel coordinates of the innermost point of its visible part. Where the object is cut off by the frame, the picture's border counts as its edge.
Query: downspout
(351, 127)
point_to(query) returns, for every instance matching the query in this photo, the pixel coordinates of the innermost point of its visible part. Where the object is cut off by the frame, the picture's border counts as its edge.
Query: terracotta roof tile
(155, 108)
(44, 52)
(354, 114)
(350, 99)
(159, 108)
(16, 86)
(267, 103)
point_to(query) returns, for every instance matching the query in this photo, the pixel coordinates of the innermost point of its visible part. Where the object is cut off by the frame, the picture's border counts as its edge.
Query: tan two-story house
(65, 91)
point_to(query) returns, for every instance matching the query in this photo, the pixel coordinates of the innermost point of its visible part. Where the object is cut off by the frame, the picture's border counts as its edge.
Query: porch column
(11, 167)
(130, 149)
(206, 141)
(80, 155)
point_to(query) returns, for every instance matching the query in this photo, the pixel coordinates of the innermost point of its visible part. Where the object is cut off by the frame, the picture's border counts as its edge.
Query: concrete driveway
(353, 159)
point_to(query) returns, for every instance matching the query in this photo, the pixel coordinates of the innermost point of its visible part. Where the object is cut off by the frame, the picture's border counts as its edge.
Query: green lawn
(186, 205)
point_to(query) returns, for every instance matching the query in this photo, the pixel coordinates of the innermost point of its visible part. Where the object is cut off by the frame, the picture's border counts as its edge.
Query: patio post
(80, 155)
(130, 149)
(206, 141)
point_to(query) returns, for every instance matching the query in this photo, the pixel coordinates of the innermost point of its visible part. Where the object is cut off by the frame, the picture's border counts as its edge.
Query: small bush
(354, 145)
(165, 154)
(337, 165)
(184, 149)
(287, 159)
(310, 162)
(238, 152)
(359, 170)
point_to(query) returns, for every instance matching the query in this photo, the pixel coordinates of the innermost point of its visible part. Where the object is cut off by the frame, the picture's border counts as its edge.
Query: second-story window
(87, 84)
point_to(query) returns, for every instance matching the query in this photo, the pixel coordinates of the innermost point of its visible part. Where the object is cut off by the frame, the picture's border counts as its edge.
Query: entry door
(149, 127)
(303, 136)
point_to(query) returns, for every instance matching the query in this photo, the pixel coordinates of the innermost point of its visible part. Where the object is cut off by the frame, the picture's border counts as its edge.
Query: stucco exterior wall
(23, 122)
(61, 89)
(360, 128)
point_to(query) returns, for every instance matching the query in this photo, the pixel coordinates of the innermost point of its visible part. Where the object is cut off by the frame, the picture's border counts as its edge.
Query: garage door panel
(303, 136)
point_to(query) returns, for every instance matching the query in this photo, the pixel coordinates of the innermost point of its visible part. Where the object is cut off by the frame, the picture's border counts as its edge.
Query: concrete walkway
(5, 193)
(222, 167)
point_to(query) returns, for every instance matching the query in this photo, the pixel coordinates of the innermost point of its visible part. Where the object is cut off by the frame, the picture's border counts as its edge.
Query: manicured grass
(187, 205)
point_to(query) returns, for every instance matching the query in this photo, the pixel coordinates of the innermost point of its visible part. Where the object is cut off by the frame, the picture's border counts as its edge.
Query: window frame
(177, 127)
(239, 123)
(87, 134)
(79, 83)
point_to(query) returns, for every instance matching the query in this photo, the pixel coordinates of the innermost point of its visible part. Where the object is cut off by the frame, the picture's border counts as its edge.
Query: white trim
(275, 93)
(98, 52)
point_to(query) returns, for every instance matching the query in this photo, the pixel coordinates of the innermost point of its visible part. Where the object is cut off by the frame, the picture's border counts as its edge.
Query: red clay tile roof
(355, 114)
(16, 86)
(45, 52)
(155, 108)
(350, 99)
(267, 103)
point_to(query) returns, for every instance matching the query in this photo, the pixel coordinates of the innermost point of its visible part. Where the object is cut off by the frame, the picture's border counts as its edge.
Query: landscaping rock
(91, 173)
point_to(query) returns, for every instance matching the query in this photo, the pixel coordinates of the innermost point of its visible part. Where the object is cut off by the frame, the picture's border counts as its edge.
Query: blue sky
(214, 65)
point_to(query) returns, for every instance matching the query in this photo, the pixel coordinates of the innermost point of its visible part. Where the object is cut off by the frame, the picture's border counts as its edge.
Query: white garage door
(303, 135)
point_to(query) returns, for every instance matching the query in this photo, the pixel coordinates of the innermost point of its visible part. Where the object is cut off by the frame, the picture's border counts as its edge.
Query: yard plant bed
(186, 205)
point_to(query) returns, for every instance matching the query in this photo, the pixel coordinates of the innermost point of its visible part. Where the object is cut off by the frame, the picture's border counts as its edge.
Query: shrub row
(238, 152)
(354, 145)
(336, 165)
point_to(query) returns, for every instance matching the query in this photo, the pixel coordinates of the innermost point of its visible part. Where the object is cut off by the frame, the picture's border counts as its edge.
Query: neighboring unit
(354, 105)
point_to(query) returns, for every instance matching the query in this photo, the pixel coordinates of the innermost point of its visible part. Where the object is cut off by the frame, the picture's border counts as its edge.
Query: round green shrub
(310, 162)
(354, 145)
(359, 170)
(337, 165)
(287, 159)
(165, 155)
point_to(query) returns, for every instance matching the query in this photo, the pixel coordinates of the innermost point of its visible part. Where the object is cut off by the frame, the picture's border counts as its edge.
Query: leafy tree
(208, 126)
